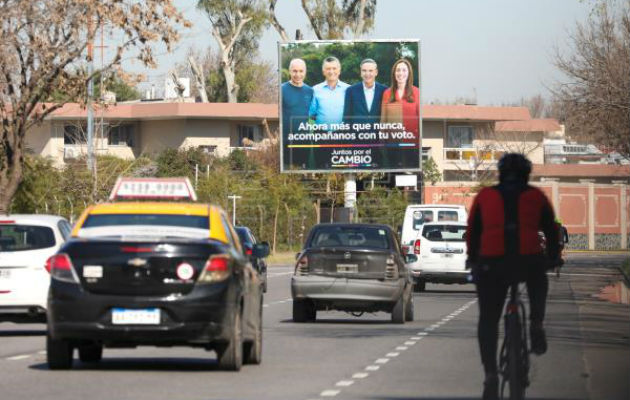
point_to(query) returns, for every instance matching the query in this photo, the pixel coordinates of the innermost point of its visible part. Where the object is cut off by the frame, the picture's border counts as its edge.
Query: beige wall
(40, 141)
(155, 136)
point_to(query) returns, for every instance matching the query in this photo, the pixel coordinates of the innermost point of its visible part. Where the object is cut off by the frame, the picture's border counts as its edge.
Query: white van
(418, 214)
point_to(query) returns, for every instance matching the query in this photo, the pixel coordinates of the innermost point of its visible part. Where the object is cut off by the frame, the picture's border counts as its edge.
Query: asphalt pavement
(345, 357)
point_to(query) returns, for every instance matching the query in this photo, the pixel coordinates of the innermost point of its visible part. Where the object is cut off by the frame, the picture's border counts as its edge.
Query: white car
(441, 251)
(26, 242)
(417, 215)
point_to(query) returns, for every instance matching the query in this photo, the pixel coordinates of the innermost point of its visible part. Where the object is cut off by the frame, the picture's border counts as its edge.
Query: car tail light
(60, 267)
(217, 269)
(391, 271)
(133, 249)
(7, 221)
(249, 251)
(301, 268)
(416, 247)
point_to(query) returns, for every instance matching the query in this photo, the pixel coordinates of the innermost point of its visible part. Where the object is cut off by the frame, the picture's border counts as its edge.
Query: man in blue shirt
(363, 100)
(296, 100)
(328, 96)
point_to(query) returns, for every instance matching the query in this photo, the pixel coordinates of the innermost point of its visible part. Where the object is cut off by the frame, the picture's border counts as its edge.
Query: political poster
(350, 106)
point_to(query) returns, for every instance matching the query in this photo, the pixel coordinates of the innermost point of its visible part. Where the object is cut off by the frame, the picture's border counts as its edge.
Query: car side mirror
(410, 258)
(261, 250)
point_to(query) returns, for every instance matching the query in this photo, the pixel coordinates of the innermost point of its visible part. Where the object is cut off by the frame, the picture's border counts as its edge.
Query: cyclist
(503, 245)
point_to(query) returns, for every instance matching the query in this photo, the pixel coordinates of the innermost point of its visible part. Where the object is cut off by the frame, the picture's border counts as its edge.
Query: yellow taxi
(154, 273)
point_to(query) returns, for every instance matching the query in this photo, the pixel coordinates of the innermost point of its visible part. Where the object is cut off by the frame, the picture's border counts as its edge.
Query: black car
(354, 268)
(163, 275)
(250, 244)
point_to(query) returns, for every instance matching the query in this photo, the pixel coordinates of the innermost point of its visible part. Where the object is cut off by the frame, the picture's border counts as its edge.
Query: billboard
(350, 106)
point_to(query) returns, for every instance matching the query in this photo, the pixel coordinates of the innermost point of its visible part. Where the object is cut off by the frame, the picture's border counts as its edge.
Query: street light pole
(233, 197)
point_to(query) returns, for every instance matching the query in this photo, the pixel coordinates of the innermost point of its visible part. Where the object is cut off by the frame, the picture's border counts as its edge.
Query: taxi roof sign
(153, 189)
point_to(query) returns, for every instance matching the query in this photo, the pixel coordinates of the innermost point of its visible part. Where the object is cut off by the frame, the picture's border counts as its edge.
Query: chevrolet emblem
(137, 262)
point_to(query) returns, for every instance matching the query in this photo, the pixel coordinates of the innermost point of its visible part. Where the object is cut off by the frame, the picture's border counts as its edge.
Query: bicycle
(514, 356)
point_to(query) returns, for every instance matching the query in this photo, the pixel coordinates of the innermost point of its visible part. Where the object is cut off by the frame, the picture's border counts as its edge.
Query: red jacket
(504, 221)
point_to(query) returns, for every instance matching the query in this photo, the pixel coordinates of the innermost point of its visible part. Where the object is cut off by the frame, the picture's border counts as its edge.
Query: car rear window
(243, 236)
(336, 236)
(25, 237)
(447, 216)
(421, 217)
(444, 233)
(175, 220)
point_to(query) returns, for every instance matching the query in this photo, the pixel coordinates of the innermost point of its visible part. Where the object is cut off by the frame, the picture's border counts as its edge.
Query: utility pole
(233, 197)
(90, 94)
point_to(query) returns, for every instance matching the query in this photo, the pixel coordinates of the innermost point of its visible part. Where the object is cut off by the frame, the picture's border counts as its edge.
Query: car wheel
(409, 308)
(301, 310)
(90, 353)
(231, 353)
(398, 312)
(252, 351)
(58, 353)
(264, 287)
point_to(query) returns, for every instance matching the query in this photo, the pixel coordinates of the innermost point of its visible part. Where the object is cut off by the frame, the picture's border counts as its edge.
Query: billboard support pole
(350, 194)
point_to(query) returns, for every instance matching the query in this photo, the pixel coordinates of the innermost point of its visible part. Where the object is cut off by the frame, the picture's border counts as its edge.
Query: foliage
(381, 206)
(350, 55)
(430, 171)
(42, 51)
(174, 162)
(335, 19)
(595, 97)
(111, 82)
(236, 26)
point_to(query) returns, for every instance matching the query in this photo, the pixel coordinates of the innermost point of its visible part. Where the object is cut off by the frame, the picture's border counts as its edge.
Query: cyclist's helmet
(514, 167)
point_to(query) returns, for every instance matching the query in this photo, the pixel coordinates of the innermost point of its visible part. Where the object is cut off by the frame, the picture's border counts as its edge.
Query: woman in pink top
(401, 101)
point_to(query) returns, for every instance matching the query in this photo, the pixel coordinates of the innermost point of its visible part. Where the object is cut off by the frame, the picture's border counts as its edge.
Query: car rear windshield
(182, 221)
(25, 237)
(336, 236)
(444, 233)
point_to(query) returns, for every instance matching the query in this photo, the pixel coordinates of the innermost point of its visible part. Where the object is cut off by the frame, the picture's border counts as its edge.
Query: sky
(497, 51)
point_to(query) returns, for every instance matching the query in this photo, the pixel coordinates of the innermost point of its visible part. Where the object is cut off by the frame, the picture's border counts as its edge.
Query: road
(345, 357)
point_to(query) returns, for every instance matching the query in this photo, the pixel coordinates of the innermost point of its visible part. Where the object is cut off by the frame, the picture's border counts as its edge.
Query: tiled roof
(581, 170)
(532, 125)
(166, 110)
(476, 113)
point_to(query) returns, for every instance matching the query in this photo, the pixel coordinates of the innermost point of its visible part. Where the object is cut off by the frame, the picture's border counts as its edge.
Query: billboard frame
(281, 143)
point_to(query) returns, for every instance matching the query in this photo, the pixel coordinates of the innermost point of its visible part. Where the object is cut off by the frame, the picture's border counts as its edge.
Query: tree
(236, 26)
(333, 19)
(595, 98)
(42, 49)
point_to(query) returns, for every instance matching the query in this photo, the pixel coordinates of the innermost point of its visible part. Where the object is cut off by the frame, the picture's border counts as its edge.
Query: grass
(282, 257)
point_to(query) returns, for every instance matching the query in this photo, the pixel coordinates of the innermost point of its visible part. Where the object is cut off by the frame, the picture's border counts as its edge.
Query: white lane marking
(392, 354)
(415, 338)
(20, 357)
(402, 348)
(422, 333)
(372, 368)
(329, 393)
(265, 305)
(277, 302)
(41, 352)
(344, 383)
(409, 343)
(429, 328)
(360, 375)
(382, 361)
(275, 274)
(436, 325)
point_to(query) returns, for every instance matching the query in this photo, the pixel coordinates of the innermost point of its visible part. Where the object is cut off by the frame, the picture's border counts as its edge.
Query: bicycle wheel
(515, 360)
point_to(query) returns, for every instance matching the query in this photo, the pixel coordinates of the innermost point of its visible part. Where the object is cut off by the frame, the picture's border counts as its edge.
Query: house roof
(170, 110)
(166, 110)
(581, 170)
(532, 125)
(476, 113)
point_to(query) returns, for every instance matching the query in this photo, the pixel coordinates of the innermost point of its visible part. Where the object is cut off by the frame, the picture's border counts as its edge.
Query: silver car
(354, 268)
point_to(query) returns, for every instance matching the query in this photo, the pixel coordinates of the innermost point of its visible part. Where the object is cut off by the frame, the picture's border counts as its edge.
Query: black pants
(493, 281)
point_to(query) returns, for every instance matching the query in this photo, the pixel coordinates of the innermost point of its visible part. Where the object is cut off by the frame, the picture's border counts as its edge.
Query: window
(444, 233)
(426, 153)
(74, 133)
(421, 217)
(447, 216)
(208, 149)
(175, 220)
(249, 132)
(459, 136)
(120, 135)
(331, 236)
(25, 237)
(65, 229)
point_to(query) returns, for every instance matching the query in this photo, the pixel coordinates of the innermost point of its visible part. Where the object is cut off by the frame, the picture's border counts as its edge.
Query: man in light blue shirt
(328, 96)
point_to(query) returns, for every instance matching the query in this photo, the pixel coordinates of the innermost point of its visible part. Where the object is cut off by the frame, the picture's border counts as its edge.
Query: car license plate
(347, 268)
(122, 316)
(5, 273)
